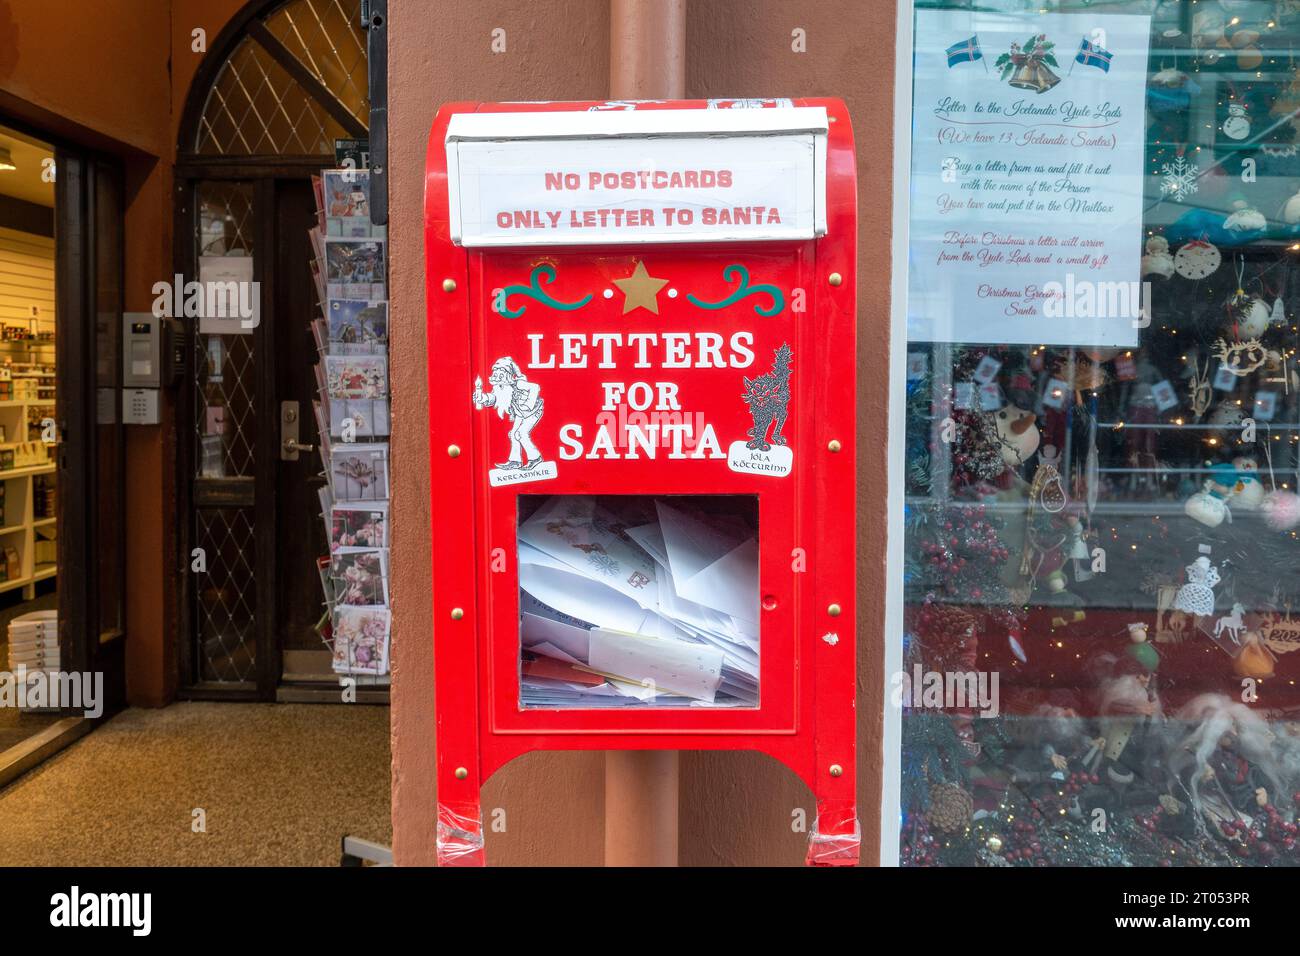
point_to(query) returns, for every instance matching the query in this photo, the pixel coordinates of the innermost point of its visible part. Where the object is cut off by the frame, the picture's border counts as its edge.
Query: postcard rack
(352, 420)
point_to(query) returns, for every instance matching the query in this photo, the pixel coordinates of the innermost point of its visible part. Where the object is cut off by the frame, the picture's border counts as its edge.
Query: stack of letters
(638, 601)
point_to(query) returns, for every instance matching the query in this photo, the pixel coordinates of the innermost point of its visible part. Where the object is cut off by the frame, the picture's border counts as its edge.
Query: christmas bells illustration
(1030, 67)
(1031, 72)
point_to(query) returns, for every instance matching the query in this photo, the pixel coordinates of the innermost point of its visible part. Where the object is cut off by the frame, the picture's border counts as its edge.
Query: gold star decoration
(640, 290)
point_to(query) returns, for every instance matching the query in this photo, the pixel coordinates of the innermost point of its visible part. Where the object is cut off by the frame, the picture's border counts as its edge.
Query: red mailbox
(641, 354)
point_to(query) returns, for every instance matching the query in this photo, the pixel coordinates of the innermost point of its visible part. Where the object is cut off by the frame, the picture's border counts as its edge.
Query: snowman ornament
(1237, 125)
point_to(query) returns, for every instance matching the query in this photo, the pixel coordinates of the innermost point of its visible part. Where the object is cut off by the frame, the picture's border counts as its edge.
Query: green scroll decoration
(744, 290)
(542, 273)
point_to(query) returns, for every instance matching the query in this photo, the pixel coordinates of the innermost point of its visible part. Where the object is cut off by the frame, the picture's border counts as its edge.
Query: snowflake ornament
(1180, 178)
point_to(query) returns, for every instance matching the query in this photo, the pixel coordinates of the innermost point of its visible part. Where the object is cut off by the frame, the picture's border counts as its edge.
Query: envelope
(582, 535)
(709, 567)
(691, 670)
(581, 597)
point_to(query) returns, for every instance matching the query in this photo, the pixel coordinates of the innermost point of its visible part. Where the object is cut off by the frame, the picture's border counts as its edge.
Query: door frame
(83, 648)
(264, 175)
(264, 171)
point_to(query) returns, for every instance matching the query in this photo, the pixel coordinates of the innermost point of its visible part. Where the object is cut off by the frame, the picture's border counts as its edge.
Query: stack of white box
(34, 646)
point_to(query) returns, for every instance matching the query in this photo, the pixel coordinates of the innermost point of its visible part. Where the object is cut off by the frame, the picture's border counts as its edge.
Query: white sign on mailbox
(521, 179)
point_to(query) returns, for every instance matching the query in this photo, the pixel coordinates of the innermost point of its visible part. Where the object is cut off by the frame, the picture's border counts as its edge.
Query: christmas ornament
(1232, 623)
(951, 807)
(1237, 125)
(1146, 656)
(1158, 261)
(1208, 507)
(1249, 55)
(1248, 493)
(1169, 78)
(1281, 510)
(1199, 393)
(1226, 418)
(1077, 547)
(1016, 434)
(994, 843)
(1278, 315)
(1197, 259)
(1252, 319)
(1280, 634)
(1137, 632)
(1245, 218)
(1047, 489)
(1290, 213)
(1197, 595)
(1240, 358)
(1208, 34)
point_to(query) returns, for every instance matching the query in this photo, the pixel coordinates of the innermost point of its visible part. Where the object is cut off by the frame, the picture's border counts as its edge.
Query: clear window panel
(638, 601)
(1102, 575)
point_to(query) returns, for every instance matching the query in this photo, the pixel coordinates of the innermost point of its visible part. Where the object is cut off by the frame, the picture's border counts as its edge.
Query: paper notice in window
(691, 670)
(1028, 177)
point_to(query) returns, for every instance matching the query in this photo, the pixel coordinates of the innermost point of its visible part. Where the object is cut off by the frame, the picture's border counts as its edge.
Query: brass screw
(453, 451)
(835, 278)
(461, 773)
(457, 614)
(833, 610)
(837, 770)
(449, 285)
(834, 444)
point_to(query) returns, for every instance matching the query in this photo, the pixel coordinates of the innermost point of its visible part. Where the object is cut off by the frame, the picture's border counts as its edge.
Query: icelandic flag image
(1092, 55)
(967, 51)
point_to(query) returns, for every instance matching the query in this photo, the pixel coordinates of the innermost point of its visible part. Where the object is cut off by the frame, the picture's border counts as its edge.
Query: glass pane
(326, 37)
(227, 595)
(225, 375)
(256, 107)
(635, 601)
(1101, 561)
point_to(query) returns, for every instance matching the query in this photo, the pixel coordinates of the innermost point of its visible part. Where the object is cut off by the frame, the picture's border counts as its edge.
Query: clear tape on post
(460, 837)
(834, 849)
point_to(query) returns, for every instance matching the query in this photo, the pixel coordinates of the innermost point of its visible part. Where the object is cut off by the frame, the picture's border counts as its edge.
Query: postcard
(359, 472)
(358, 527)
(360, 637)
(356, 376)
(360, 577)
(357, 326)
(355, 268)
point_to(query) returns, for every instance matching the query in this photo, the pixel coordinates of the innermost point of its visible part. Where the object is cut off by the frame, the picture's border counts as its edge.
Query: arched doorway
(285, 80)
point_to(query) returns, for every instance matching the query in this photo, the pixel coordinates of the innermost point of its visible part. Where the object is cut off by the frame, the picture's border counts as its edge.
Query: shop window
(1101, 576)
(638, 601)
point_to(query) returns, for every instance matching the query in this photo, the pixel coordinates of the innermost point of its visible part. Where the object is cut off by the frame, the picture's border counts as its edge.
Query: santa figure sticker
(520, 402)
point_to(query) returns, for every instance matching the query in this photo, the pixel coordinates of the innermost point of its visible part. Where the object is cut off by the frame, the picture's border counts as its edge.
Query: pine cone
(951, 807)
(951, 624)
